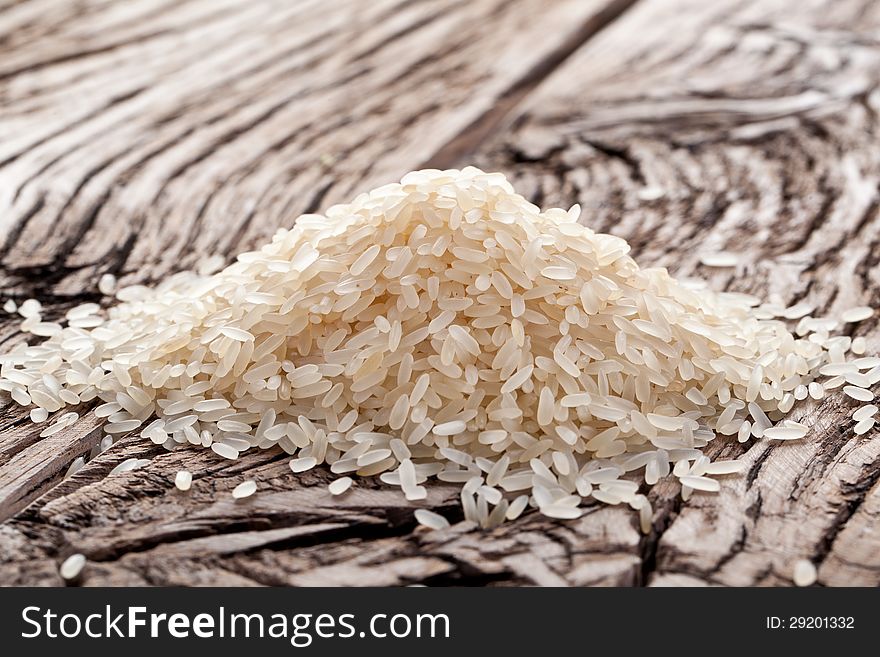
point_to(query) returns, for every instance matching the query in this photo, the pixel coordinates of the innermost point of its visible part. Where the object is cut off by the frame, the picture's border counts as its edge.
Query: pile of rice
(446, 328)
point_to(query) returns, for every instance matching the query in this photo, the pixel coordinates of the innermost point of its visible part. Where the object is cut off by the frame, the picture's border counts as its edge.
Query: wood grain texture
(140, 138)
(749, 127)
(683, 126)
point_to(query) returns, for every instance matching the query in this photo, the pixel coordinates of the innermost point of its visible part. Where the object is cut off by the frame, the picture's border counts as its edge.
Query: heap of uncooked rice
(445, 327)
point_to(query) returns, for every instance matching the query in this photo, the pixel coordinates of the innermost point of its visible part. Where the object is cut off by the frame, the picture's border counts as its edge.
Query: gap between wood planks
(456, 151)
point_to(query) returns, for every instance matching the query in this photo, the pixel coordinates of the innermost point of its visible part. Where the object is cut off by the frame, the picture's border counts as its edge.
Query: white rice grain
(183, 480)
(785, 433)
(72, 566)
(804, 573)
(430, 519)
(864, 412)
(719, 259)
(857, 314)
(244, 489)
(339, 486)
(859, 394)
(700, 483)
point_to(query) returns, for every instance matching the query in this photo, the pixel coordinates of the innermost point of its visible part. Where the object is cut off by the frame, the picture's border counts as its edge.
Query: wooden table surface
(138, 137)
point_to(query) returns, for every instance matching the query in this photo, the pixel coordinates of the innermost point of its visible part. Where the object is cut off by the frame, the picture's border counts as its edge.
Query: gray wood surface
(139, 137)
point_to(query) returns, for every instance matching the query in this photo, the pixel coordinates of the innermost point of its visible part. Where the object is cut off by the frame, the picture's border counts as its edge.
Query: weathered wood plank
(137, 528)
(144, 137)
(683, 126)
(751, 127)
(138, 139)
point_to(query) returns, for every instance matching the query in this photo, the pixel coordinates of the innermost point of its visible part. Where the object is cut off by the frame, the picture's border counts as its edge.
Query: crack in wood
(457, 150)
